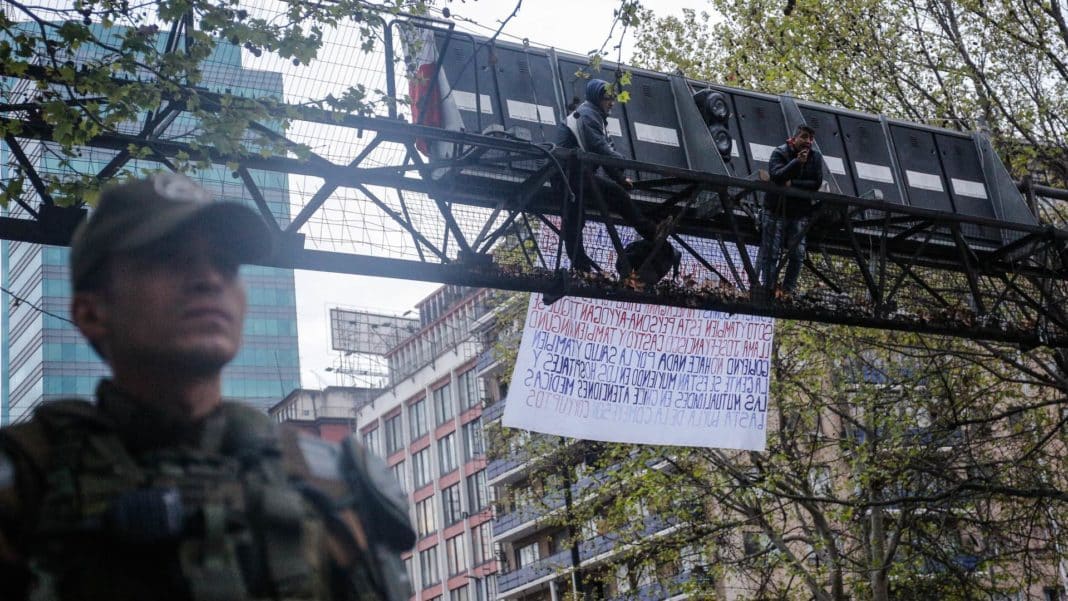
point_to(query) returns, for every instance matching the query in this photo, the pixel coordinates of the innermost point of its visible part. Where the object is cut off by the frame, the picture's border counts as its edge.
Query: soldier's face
(178, 305)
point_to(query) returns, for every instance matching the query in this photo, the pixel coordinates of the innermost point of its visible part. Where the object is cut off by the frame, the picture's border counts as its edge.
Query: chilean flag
(421, 58)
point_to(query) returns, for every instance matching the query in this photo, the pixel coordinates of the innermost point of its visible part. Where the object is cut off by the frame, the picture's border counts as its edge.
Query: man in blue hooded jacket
(587, 128)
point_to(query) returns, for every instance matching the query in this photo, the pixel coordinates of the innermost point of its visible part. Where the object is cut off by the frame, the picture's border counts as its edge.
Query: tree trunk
(880, 588)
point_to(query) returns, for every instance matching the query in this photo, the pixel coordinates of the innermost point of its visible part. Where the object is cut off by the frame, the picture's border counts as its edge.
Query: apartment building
(427, 426)
(537, 480)
(329, 413)
(557, 536)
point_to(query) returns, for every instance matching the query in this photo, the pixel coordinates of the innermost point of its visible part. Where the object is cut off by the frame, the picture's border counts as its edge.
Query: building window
(425, 517)
(450, 503)
(370, 441)
(428, 567)
(474, 444)
(455, 555)
(526, 555)
(443, 405)
(394, 435)
(417, 419)
(447, 453)
(469, 387)
(477, 491)
(401, 475)
(411, 575)
(460, 594)
(482, 543)
(421, 474)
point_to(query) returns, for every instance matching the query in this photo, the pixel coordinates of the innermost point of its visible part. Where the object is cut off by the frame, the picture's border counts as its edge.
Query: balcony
(545, 567)
(511, 525)
(485, 361)
(494, 411)
(594, 549)
(608, 543)
(499, 467)
(510, 521)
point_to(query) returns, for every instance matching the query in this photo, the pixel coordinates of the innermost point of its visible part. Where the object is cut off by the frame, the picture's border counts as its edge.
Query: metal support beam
(918, 261)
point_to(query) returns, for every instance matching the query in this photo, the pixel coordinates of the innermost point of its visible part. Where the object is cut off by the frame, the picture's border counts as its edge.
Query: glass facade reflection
(43, 357)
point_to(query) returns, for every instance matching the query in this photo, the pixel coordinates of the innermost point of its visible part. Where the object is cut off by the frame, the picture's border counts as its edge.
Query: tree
(953, 64)
(899, 466)
(89, 67)
(998, 65)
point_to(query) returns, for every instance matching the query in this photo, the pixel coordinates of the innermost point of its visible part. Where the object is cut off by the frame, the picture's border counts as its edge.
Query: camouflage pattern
(108, 502)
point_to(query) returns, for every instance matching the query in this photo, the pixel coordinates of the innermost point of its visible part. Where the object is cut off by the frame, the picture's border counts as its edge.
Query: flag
(421, 59)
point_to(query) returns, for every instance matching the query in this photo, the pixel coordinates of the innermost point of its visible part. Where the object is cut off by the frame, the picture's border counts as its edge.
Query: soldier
(161, 490)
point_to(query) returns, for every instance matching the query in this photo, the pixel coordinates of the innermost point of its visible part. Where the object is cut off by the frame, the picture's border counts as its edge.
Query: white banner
(620, 372)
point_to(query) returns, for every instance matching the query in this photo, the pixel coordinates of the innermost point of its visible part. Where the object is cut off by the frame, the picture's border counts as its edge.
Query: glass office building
(43, 357)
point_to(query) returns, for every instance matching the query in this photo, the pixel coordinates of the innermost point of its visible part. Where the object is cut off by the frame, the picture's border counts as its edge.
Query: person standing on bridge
(161, 490)
(795, 164)
(586, 128)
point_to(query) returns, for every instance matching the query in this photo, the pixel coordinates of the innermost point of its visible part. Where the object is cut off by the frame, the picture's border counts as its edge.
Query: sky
(576, 26)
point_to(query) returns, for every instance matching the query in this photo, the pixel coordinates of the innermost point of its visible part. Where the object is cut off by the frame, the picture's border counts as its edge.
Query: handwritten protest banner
(604, 370)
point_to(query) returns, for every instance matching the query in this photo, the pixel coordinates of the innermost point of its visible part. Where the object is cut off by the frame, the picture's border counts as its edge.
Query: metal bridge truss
(494, 222)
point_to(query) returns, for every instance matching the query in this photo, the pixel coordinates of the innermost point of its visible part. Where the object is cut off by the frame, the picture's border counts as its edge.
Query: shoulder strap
(375, 488)
(35, 440)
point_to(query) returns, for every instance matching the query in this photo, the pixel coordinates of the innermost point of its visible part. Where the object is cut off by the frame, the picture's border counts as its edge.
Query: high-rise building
(43, 357)
(427, 426)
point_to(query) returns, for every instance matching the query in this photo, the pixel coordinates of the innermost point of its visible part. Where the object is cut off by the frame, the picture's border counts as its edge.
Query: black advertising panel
(575, 87)
(528, 95)
(869, 157)
(905, 163)
(654, 124)
(762, 128)
(967, 184)
(471, 81)
(921, 171)
(829, 141)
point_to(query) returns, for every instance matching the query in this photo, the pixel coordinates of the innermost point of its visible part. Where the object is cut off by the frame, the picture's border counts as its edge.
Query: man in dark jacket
(795, 164)
(587, 128)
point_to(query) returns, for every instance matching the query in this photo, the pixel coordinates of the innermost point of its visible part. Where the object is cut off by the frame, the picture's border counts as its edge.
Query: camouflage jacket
(124, 501)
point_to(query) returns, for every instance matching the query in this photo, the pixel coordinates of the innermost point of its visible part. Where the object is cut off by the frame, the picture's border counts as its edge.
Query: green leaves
(125, 73)
(11, 189)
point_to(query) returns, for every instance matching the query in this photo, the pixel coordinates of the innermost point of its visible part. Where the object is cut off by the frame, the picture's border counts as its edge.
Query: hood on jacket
(595, 91)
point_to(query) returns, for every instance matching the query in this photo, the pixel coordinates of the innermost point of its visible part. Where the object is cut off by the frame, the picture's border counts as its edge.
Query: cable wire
(22, 301)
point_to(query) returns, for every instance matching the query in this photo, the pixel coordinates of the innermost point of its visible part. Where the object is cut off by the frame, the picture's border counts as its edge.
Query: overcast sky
(574, 25)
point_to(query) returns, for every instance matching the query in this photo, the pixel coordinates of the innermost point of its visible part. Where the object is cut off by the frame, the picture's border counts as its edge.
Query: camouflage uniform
(132, 500)
(116, 502)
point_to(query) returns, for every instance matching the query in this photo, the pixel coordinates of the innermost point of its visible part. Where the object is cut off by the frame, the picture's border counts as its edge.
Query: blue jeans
(775, 233)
